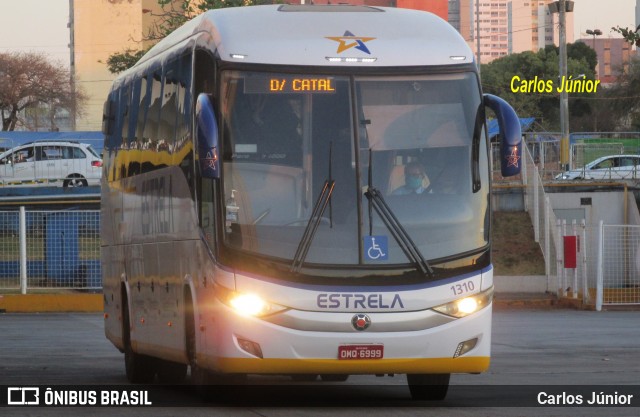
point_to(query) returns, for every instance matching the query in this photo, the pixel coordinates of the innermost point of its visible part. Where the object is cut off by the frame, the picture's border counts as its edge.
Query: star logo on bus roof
(349, 40)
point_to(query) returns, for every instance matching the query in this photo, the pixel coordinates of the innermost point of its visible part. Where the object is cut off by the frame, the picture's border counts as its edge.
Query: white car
(612, 167)
(52, 163)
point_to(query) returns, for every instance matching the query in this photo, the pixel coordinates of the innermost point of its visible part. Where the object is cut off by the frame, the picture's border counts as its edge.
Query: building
(506, 27)
(614, 54)
(100, 28)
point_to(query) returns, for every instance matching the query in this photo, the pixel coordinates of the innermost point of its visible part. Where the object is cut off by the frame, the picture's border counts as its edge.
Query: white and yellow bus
(256, 218)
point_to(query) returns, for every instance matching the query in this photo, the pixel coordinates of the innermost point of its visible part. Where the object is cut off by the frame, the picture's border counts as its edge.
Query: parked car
(57, 163)
(612, 167)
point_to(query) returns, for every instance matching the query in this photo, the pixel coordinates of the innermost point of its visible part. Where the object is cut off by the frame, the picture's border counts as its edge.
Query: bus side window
(168, 110)
(150, 132)
(143, 104)
(204, 77)
(204, 73)
(125, 96)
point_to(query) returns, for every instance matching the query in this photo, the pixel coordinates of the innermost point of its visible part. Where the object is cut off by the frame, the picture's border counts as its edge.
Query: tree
(630, 35)
(581, 50)
(30, 79)
(174, 14)
(538, 67)
(122, 61)
(623, 100)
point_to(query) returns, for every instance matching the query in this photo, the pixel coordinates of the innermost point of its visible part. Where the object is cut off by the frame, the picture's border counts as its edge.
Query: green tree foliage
(540, 67)
(174, 14)
(122, 61)
(623, 97)
(630, 35)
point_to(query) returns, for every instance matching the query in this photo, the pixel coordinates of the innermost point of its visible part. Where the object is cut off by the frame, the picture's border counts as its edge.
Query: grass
(514, 249)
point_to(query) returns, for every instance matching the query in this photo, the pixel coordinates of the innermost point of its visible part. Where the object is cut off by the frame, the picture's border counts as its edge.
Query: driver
(415, 180)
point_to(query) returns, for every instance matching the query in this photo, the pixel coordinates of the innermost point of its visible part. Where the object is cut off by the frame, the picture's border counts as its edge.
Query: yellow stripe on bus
(471, 364)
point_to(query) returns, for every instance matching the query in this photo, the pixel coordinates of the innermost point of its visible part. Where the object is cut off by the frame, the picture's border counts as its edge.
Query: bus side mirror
(207, 137)
(108, 117)
(511, 134)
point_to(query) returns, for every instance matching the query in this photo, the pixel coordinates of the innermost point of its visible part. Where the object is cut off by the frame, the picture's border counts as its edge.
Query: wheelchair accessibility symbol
(376, 248)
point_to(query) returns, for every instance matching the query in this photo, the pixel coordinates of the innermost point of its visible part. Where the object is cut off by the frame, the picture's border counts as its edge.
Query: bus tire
(190, 338)
(171, 372)
(139, 368)
(428, 387)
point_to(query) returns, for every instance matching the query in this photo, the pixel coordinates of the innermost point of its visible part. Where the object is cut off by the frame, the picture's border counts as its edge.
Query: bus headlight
(468, 305)
(247, 304)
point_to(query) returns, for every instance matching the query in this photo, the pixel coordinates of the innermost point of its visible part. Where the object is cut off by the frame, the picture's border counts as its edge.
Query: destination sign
(289, 85)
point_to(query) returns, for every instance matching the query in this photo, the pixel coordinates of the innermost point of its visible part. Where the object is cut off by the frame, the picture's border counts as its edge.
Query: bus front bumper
(247, 345)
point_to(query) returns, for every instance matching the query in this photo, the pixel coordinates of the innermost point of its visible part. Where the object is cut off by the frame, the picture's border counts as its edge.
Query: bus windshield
(410, 138)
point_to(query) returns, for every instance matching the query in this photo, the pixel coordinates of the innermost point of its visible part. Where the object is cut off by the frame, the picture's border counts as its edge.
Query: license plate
(353, 352)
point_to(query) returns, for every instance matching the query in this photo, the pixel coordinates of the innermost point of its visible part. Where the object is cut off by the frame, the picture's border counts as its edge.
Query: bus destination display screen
(289, 84)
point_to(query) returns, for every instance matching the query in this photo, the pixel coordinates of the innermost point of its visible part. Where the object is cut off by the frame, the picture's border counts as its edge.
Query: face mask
(414, 182)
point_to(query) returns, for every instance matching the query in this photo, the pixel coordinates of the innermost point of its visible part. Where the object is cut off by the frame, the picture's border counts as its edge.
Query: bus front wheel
(428, 387)
(171, 372)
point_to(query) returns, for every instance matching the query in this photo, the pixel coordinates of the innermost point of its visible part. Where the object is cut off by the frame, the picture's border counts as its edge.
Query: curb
(50, 303)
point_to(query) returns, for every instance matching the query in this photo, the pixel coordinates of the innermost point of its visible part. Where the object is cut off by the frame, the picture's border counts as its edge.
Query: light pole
(562, 7)
(594, 33)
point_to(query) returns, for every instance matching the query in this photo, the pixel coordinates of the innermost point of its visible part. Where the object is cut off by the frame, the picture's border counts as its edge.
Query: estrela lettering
(367, 302)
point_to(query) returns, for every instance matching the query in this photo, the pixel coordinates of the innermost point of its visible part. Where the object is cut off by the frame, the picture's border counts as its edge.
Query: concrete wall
(606, 206)
(610, 207)
(507, 199)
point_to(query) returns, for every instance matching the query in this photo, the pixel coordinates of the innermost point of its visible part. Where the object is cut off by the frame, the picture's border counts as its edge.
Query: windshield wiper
(395, 227)
(324, 199)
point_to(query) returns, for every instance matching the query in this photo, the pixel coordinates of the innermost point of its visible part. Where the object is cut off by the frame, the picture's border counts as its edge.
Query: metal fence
(607, 257)
(583, 153)
(50, 249)
(618, 265)
(542, 217)
(545, 152)
(575, 280)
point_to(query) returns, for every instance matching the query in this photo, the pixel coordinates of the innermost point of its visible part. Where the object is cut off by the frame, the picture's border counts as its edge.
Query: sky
(41, 25)
(35, 26)
(602, 14)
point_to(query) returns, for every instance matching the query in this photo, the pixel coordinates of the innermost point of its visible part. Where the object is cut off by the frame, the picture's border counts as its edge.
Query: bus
(254, 213)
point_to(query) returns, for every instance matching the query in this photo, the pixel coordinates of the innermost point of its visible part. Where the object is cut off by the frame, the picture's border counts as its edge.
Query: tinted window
(76, 153)
(51, 152)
